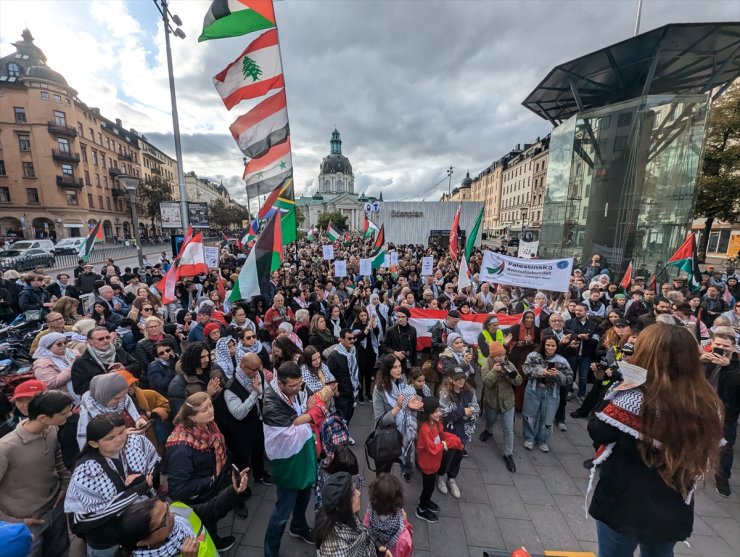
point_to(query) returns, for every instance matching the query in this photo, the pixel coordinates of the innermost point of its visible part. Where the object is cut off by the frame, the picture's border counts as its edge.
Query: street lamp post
(524, 216)
(131, 184)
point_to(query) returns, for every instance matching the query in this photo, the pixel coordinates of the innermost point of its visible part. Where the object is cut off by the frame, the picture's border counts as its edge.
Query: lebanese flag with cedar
(192, 259)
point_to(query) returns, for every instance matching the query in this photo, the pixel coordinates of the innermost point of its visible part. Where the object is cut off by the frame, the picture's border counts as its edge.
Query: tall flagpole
(639, 15)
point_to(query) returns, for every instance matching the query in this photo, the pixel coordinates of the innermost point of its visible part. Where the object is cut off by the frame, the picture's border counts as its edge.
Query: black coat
(54, 290)
(632, 498)
(339, 367)
(401, 339)
(591, 328)
(31, 298)
(190, 474)
(86, 367)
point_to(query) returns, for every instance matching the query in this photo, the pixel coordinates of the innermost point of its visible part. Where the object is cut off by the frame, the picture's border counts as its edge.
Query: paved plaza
(541, 506)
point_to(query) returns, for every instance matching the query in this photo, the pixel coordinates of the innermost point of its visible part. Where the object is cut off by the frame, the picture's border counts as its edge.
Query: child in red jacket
(432, 442)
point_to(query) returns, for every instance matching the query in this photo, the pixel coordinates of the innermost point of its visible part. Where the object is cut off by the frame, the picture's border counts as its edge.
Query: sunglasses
(250, 337)
(350, 339)
(147, 309)
(164, 352)
(60, 343)
(107, 337)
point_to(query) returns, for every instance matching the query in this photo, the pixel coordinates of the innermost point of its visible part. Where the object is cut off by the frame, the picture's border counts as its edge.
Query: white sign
(340, 268)
(633, 376)
(368, 207)
(328, 252)
(376, 206)
(210, 253)
(386, 261)
(366, 268)
(528, 250)
(545, 274)
(394, 259)
(427, 266)
(170, 214)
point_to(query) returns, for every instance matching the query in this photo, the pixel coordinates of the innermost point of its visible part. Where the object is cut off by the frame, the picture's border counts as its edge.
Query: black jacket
(632, 498)
(85, 283)
(160, 375)
(55, 290)
(588, 346)
(339, 368)
(728, 387)
(401, 339)
(86, 367)
(31, 298)
(191, 474)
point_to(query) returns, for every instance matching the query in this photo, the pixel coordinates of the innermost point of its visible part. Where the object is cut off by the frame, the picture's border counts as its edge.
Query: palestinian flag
(254, 73)
(262, 127)
(291, 448)
(261, 261)
(311, 236)
(232, 18)
(470, 242)
(377, 260)
(89, 243)
(249, 236)
(332, 233)
(627, 278)
(686, 260)
(369, 228)
(380, 240)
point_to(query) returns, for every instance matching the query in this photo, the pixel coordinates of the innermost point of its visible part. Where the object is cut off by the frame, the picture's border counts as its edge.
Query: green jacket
(498, 388)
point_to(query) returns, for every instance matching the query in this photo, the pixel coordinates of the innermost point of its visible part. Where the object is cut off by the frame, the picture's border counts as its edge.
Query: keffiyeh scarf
(204, 438)
(224, 359)
(386, 529)
(316, 382)
(354, 371)
(172, 544)
(348, 541)
(406, 421)
(95, 408)
(104, 358)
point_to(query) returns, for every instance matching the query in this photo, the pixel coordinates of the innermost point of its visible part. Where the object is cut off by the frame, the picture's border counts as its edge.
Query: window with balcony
(63, 145)
(60, 119)
(2, 168)
(72, 198)
(20, 115)
(14, 70)
(28, 171)
(4, 195)
(67, 171)
(33, 196)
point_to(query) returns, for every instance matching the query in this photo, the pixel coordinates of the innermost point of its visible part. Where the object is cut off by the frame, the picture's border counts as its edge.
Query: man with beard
(662, 307)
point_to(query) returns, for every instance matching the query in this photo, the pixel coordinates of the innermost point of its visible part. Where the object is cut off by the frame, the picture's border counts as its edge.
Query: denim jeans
(538, 413)
(580, 366)
(614, 544)
(50, 539)
(288, 501)
(507, 425)
(107, 552)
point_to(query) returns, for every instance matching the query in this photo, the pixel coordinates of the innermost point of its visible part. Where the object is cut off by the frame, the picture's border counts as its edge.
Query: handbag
(384, 444)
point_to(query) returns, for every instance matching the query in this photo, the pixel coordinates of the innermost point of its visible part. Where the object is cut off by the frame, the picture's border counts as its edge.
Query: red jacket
(273, 318)
(430, 449)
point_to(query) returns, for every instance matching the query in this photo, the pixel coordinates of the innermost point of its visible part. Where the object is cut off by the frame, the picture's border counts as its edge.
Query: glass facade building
(621, 180)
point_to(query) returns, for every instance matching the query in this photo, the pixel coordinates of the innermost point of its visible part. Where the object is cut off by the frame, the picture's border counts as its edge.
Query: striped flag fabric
(254, 73)
(262, 127)
(368, 227)
(463, 276)
(89, 243)
(627, 278)
(470, 242)
(377, 259)
(264, 174)
(380, 240)
(192, 261)
(332, 233)
(454, 232)
(264, 258)
(249, 236)
(232, 18)
(282, 194)
(166, 286)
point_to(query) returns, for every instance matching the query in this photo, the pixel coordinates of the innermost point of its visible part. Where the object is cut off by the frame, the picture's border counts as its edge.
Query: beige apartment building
(59, 158)
(487, 187)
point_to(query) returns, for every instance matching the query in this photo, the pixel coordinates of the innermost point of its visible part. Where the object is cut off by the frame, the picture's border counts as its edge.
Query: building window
(44, 95)
(105, 182)
(94, 157)
(63, 145)
(14, 70)
(72, 198)
(2, 168)
(4, 195)
(620, 143)
(87, 178)
(102, 159)
(80, 130)
(107, 203)
(92, 134)
(83, 153)
(100, 139)
(624, 119)
(33, 195)
(97, 181)
(60, 119)
(90, 201)
(28, 171)
(67, 171)
(100, 202)
(20, 115)
(58, 99)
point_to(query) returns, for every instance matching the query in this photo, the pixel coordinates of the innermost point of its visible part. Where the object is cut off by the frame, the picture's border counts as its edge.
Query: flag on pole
(368, 227)
(262, 127)
(231, 18)
(463, 278)
(453, 233)
(377, 259)
(264, 174)
(249, 236)
(192, 261)
(470, 242)
(685, 258)
(380, 240)
(332, 233)
(261, 262)
(627, 278)
(253, 73)
(311, 236)
(166, 286)
(281, 195)
(89, 243)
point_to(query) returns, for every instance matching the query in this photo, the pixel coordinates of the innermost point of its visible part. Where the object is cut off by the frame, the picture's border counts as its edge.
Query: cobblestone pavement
(541, 506)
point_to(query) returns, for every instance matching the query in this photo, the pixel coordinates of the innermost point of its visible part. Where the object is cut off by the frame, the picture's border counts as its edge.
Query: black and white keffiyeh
(354, 370)
(386, 529)
(348, 541)
(172, 545)
(313, 382)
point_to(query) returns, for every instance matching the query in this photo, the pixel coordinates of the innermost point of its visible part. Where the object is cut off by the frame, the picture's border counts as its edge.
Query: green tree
(151, 192)
(225, 215)
(719, 184)
(336, 218)
(250, 68)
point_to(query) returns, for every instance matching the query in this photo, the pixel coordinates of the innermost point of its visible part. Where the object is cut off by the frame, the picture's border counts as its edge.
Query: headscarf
(104, 387)
(224, 359)
(62, 363)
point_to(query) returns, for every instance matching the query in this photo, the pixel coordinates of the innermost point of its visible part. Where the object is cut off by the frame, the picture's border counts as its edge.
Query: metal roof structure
(679, 58)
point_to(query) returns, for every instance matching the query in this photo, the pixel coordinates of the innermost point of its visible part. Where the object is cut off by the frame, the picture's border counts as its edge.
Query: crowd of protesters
(145, 423)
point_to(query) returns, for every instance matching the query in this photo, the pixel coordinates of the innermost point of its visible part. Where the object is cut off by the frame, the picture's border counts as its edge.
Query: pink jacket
(54, 378)
(405, 545)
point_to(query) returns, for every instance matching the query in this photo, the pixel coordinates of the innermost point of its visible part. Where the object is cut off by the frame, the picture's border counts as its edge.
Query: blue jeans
(538, 413)
(507, 426)
(288, 501)
(108, 552)
(614, 544)
(580, 366)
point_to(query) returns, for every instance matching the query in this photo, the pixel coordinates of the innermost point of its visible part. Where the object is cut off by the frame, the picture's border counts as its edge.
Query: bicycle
(730, 263)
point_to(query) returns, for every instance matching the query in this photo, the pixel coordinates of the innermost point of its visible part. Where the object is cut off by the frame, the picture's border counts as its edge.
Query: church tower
(335, 171)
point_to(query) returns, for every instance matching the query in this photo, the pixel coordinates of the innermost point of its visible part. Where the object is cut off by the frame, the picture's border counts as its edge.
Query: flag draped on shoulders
(253, 73)
(232, 18)
(262, 260)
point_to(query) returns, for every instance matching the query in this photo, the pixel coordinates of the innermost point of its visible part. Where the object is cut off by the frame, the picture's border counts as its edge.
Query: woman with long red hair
(657, 441)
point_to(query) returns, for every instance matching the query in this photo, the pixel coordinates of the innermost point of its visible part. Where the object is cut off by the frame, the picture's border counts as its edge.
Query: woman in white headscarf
(53, 364)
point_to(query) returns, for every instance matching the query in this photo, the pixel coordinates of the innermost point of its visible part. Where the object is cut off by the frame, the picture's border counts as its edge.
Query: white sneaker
(441, 485)
(454, 490)
(544, 447)
(529, 445)
(562, 426)
(351, 442)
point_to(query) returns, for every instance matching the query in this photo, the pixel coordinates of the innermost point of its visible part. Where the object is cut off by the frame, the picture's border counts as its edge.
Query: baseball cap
(29, 389)
(453, 313)
(621, 323)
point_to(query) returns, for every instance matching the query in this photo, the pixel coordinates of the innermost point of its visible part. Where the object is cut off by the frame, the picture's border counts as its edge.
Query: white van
(46, 245)
(68, 246)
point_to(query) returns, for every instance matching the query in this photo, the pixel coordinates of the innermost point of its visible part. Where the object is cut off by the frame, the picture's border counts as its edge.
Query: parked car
(43, 244)
(513, 242)
(68, 246)
(25, 260)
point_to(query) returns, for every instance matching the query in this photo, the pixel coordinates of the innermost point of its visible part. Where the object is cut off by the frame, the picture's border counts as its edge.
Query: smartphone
(235, 469)
(719, 351)
(144, 426)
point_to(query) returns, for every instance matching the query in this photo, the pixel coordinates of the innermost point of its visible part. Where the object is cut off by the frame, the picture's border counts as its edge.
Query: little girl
(419, 382)
(386, 518)
(432, 443)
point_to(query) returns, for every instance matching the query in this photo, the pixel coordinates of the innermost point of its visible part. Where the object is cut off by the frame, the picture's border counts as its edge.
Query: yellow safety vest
(207, 548)
(489, 339)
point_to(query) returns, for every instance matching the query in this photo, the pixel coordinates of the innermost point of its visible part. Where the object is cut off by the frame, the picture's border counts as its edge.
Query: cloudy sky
(413, 86)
